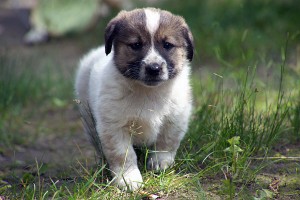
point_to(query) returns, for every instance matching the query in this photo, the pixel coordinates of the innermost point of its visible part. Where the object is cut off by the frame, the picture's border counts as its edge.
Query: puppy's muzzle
(154, 73)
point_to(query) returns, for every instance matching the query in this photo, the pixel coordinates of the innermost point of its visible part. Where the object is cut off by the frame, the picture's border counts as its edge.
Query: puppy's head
(150, 45)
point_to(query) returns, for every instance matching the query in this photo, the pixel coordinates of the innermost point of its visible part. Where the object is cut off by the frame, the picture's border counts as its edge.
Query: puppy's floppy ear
(187, 34)
(110, 32)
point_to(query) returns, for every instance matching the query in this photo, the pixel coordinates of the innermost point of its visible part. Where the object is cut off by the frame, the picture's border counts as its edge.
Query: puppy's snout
(153, 69)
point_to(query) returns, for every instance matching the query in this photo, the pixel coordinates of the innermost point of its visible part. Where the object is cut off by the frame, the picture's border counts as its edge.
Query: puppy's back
(83, 74)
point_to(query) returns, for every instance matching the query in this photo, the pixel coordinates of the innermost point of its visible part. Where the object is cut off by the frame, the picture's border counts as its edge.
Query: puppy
(137, 87)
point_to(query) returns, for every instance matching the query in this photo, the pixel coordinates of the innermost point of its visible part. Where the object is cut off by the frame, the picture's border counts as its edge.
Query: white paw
(130, 179)
(160, 161)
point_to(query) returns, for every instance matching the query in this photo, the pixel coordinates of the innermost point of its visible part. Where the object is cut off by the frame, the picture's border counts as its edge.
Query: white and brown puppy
(137, 87)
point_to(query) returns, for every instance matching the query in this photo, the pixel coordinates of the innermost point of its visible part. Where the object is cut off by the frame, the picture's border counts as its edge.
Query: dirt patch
(57, 146)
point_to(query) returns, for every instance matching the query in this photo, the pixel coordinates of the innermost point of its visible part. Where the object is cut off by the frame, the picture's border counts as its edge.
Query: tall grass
(25, 84)
(17, 84)
(234, 113)
(229, 128)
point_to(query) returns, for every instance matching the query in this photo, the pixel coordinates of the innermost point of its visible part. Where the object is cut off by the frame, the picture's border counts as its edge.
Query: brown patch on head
(174, 41)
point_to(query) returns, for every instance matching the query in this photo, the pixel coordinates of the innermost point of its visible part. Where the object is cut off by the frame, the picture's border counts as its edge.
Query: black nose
(153, 69)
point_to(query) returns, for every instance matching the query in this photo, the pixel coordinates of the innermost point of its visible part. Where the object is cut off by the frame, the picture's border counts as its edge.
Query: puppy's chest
(151, 108)
(145, 116)
(140, 132)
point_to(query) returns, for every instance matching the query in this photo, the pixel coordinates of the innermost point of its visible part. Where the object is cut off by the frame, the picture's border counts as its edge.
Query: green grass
(246, 110)
(25, 83)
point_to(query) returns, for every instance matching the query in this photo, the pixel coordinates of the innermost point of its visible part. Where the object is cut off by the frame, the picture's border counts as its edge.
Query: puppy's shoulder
(93, 56)
(182, 92)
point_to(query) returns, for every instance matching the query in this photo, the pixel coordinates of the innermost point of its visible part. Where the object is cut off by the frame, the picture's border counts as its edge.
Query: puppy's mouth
(152, 82)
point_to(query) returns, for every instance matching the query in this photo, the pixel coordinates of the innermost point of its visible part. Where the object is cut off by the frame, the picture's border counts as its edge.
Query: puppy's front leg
(167, 144)
(118, 150)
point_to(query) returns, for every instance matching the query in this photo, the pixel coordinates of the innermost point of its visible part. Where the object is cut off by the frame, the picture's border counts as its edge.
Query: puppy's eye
(168, 45)
(136, 46)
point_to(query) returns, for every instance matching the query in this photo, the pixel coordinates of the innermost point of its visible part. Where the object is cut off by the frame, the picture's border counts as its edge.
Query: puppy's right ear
(110, 33)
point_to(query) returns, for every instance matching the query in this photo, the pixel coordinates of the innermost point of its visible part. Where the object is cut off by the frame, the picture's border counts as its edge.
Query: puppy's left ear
(187, 34)
(110, 33)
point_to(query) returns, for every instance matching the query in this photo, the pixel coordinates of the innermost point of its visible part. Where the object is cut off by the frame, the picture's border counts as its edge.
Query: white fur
(152, 24)
(152, 20)
(128, 113)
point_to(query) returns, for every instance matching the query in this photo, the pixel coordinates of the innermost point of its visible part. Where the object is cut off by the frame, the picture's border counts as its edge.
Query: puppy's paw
(130, 180)
(160, 161)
